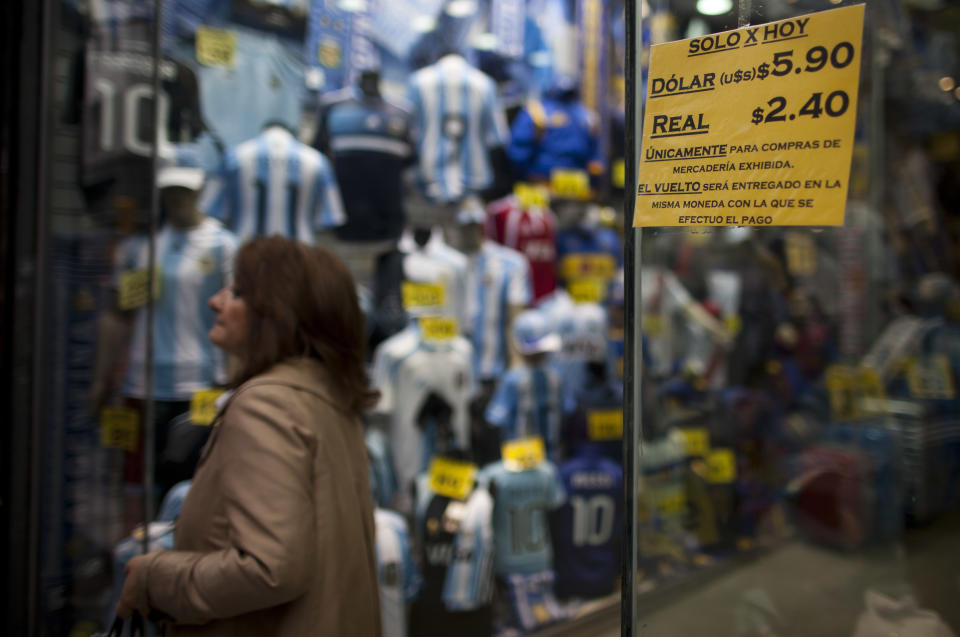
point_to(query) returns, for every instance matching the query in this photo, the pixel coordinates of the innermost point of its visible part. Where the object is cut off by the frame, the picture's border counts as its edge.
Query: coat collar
(304, 373)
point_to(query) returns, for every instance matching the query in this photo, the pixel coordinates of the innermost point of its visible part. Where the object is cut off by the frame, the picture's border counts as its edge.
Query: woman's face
(229, 333)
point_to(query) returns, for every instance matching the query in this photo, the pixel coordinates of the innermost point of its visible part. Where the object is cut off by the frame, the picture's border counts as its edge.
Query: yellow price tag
(532, 195)
(722, 466)
(697, 441)
(438, 328)
(420, 295)
(930, 378)
(216, 47)
(133, 289)
(523, 453)
(671, 504)
(541, 613)
(119, 428)
(605, 424)
(587, 290)
(734, 324)
(870, 384)
(653, 324)
(801, 253)
(452, 478)
(203, 406)
(841, 381)
(583, 266)
(618, 173)
(570, 184)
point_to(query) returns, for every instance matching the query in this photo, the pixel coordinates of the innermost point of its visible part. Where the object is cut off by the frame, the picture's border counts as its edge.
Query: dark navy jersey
(586, 529)
(368, 141)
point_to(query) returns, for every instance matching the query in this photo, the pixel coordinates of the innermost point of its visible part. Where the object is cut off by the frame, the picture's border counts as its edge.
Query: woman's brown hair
(302, 301)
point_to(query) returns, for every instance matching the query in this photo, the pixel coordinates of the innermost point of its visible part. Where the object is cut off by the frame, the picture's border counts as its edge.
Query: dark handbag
(136, 626)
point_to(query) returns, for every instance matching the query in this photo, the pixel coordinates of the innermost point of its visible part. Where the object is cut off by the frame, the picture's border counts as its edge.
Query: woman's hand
(133, 597)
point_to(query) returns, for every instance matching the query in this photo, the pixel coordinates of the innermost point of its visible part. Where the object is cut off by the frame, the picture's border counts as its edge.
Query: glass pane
(799, 472)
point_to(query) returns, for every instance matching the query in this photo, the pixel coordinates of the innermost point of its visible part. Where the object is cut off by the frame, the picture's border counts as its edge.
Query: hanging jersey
(118, 115)
(265, 84)
(456, 543)
(549, 134)
(273, 184)
(522, 500)
(527, 403)
(397, 573)
(192, 266)
(498, 279)
(586, 529)
(532, 233)
(597, 396)
(407, 371)
(364, 137)
(458, 118)
(531, 601)
(437, 262)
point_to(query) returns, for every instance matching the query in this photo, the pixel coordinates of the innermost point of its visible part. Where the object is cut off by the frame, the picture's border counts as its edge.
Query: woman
(276, 536)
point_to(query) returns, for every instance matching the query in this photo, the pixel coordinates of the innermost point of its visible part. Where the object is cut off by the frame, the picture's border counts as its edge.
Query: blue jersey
(273, 184)
(458, 118)
(527, 403)
(550, 134)
(588, 253)
(366, 136)
(498, 278)
(531, 601)
(192, 266)
(522, 500)
(457, 544)
(265, 84)
(586, 529)
(398, 576)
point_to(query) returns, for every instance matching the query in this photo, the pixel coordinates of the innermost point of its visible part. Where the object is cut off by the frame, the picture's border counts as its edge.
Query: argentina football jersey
(498, 278)
(456, 541)
(399, 578)
(426, 389)
(458, 118)
(192, 266)
(527, 403)
(586, 529)
(273, 184)
(521, 502)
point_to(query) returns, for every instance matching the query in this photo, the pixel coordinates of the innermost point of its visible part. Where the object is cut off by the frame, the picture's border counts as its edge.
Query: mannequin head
(180, 206)
(180, 188)
(369, 83)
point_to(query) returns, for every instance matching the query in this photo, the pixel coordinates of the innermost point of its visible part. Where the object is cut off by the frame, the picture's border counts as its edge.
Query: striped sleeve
(329, 212)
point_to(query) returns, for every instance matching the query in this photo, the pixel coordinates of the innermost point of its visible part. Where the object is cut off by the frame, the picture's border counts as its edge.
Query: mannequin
(498, 288)
(454, 136)
(364, 135)
(273, 184)
(194, 256)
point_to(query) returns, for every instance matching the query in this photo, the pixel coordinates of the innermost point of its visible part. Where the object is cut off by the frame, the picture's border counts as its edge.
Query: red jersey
(533, 233)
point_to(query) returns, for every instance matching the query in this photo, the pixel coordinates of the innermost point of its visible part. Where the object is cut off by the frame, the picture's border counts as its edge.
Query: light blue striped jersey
(265, 84)
(459, 118)
(398, 576)
(526, 403)
(457, 544)
(192, 265)
(383, 483)
(406, 371)
(498, 278)
(273, 184)
(521, 502)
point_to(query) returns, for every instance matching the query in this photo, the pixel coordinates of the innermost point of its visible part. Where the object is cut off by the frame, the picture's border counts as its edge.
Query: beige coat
(276, 536)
